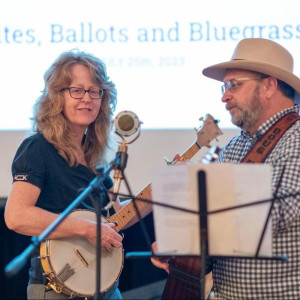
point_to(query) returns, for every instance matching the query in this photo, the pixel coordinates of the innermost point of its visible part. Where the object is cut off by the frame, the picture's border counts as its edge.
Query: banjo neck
(128, 212)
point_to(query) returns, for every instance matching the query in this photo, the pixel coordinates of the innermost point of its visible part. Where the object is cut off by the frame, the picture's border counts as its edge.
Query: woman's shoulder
(35, 143)
(35, 139)
(30, 160)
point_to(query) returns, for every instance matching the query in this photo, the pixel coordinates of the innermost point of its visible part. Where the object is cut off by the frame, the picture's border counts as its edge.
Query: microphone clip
(121, 157)
(120, 163)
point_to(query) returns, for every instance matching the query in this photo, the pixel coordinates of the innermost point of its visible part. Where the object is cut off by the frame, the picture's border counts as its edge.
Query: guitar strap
(262, 148)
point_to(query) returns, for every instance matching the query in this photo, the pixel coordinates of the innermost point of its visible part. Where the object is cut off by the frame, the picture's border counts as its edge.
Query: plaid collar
(265, 126)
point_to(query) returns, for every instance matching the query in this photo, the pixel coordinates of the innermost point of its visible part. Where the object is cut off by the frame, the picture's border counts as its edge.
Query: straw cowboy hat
(259, 55)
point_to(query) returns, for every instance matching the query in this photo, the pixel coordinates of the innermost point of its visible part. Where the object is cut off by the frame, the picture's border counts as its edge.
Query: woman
(72, 120)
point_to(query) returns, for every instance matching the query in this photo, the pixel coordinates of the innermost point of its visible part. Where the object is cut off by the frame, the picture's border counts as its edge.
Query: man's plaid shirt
(268, 279)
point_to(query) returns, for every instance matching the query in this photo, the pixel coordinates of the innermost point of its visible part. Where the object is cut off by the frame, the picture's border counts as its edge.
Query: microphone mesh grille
(126, 123)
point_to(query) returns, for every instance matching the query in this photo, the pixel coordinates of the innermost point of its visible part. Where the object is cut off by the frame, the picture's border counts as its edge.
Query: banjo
(70, 263)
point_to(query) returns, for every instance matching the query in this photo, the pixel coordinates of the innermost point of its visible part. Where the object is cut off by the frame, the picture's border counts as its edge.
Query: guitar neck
(128, 212)
(188, 154)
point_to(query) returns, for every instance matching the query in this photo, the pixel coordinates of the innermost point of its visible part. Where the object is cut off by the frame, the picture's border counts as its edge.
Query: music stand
(203, 233)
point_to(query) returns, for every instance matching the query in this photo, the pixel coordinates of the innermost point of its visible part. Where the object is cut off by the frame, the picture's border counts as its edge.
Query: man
(259, 90)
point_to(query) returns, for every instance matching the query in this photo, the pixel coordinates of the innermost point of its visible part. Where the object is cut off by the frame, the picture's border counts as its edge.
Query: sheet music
(171, 225)
(235, 232)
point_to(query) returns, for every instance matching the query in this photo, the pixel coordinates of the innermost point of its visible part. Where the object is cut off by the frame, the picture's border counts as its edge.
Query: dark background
(137, 273)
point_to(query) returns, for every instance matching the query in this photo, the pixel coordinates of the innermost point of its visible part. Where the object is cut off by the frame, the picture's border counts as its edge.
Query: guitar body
(70, 263)
(183, 281)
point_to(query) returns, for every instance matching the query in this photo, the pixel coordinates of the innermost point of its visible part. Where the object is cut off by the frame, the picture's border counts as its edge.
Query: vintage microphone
(126, 123)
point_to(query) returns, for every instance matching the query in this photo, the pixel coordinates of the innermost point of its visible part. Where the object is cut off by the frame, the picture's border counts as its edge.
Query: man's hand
(161, 263)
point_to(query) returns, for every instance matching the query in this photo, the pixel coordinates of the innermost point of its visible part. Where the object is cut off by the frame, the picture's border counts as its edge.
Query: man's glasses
(78, 93)
(233, 84)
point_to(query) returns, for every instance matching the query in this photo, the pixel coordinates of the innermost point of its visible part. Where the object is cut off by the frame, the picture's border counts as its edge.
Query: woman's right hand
(109, 237)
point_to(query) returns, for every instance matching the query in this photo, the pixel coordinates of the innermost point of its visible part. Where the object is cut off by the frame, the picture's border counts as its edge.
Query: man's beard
(248, 115)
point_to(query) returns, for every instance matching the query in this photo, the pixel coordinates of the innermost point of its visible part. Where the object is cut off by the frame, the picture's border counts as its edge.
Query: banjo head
(70, 263)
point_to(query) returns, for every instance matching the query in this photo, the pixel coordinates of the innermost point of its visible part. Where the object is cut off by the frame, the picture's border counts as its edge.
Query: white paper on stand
(235, 232)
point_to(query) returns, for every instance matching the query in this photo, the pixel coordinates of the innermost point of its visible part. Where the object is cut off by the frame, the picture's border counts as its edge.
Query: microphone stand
(98, 204)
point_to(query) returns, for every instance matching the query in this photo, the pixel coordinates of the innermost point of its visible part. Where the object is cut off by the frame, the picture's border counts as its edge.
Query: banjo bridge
(81, 258)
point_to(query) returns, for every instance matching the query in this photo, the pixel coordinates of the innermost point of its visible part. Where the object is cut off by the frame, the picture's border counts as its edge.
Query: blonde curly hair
(49, 120)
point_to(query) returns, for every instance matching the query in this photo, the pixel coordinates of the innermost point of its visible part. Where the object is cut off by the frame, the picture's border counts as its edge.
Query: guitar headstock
(208, 131)
(205, 134)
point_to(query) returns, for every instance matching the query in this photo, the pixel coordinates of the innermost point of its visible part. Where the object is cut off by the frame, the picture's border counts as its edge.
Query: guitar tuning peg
(195, 129)
(216, 121)
(167, 161)
(201, 119)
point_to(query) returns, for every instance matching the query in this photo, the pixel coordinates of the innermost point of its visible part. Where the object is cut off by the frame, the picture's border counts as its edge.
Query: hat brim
(218, 71)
